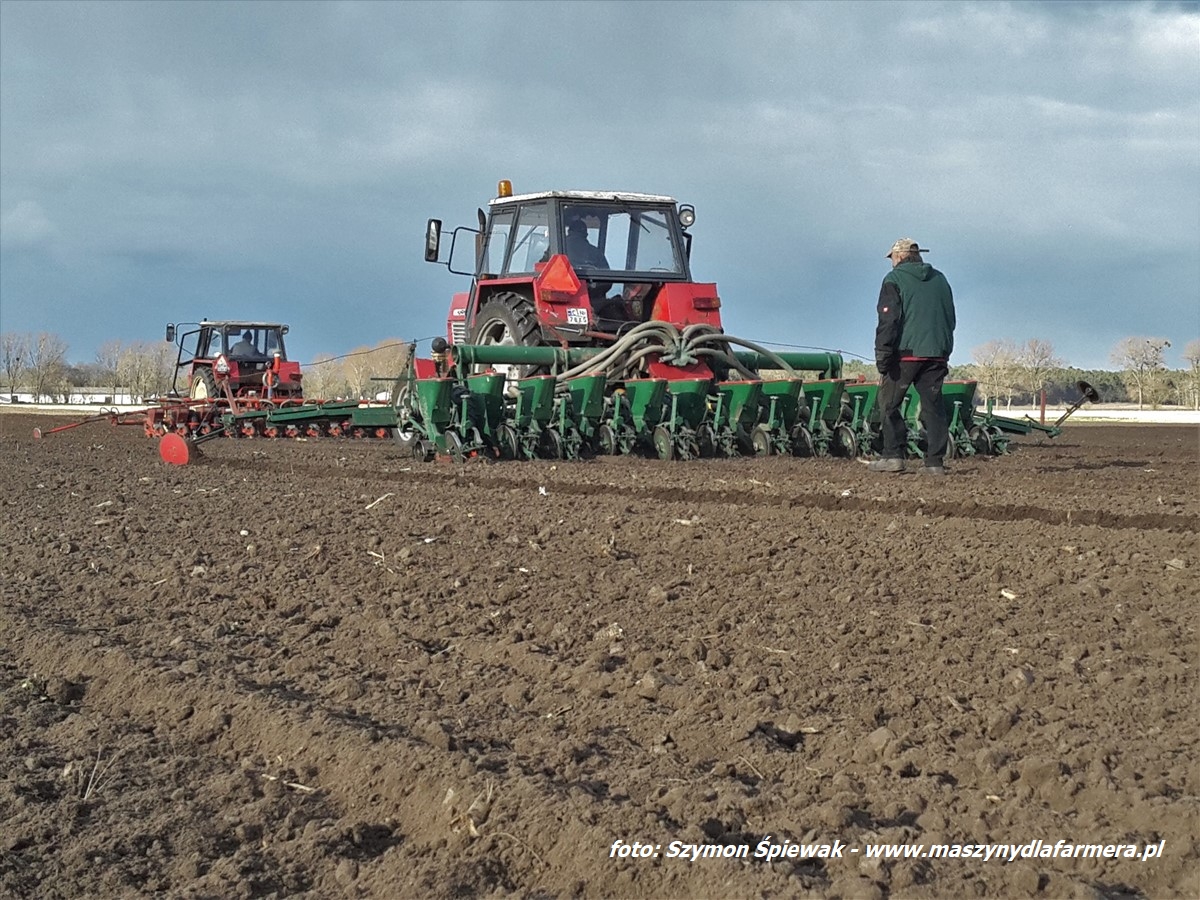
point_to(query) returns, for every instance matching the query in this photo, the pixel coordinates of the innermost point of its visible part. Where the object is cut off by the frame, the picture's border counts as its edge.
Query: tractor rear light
(707, 302)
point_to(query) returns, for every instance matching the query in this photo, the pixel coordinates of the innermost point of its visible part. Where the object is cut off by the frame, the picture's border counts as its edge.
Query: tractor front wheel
(204, 387)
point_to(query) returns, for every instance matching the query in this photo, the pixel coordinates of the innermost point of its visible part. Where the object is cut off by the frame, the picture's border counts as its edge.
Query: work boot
(933, 470)
(886, 465)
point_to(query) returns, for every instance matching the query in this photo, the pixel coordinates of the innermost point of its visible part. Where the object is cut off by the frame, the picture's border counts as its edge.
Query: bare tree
(356, 370)
(47, 364)
(390, 358)
(108, 359)
(1191, 378)
(323, 378)
(145, 368)
(14, 352)
(1141, 362)
(997, 364)
(1035, 360)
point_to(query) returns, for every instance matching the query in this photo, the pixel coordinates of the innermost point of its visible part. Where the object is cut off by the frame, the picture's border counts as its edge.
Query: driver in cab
(245, 347)
(580, 250)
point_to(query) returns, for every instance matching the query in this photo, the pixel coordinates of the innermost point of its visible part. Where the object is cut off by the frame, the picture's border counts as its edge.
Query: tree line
(1007, 372)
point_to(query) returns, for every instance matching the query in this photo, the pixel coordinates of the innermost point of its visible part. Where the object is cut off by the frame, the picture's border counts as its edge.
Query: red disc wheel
(175, 449)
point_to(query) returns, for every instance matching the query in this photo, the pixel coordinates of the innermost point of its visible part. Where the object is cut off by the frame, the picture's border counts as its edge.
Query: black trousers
(927, 375)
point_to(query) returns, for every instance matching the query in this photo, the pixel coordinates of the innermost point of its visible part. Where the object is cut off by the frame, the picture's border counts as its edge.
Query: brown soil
(319, 669)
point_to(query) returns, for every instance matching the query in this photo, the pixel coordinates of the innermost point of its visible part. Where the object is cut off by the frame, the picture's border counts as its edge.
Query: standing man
(912, 346)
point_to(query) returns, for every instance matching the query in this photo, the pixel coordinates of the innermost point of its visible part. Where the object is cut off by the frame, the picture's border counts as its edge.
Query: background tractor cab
(251, 355)
(573, 268)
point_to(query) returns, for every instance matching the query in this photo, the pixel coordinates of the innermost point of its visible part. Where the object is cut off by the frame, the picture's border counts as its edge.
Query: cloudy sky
(164, 161)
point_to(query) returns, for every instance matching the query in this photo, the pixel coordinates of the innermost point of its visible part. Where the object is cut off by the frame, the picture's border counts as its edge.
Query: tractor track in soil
(704, 652)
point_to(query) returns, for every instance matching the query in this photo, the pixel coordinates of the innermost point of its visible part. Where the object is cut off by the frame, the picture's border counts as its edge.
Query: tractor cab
(250, 356)
(573, 268)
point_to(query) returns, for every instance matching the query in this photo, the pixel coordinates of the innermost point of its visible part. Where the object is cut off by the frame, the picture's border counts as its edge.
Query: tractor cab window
(257, 342)
(531, 241)
(491, 260)
(626, 239)
(214, 347)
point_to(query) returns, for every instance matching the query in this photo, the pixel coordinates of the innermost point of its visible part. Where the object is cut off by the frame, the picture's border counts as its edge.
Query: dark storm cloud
(165, 160)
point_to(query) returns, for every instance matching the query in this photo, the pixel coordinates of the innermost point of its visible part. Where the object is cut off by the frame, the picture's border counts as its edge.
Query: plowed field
(319, 669)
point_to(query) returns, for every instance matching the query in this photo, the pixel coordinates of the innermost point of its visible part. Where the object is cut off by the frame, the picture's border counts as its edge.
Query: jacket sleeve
(887, 333)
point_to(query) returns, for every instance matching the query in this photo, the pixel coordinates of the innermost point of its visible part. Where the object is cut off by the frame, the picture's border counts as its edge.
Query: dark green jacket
(916, 315)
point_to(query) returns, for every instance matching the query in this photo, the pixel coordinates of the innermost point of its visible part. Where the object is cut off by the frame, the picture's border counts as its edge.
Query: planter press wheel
(802, 442)
(606, 440)
(424, 451)
(760, 440)
(404, 434)
(454, 446)
(664, 443)
(706, 442)
(507, 442)
(550, 444)
(845, 443)
(981, 440)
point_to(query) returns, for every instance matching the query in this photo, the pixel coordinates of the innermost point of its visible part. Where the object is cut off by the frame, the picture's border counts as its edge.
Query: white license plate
(577, 315)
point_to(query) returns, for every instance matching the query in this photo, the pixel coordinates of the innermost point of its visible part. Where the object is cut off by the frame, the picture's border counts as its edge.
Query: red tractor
(574, 269)
(249, 356)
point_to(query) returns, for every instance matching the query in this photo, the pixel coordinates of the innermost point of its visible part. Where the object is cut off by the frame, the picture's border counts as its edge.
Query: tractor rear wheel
(508, 319)
(203, 385)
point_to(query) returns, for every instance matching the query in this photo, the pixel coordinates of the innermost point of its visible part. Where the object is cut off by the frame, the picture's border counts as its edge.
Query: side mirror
(433, 239)
(170, 334)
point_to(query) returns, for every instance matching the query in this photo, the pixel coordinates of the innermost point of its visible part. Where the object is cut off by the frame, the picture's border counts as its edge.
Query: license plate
(577, 315)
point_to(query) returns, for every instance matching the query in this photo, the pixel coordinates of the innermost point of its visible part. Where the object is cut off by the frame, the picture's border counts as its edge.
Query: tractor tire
(204, 387)
(508, 319)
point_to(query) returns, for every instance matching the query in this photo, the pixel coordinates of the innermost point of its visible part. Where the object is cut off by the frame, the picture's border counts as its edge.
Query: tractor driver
(245, 347)
(580, 250)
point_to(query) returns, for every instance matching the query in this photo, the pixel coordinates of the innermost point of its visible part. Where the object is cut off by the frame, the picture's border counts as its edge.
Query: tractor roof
(612, 196)
(236, 323)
